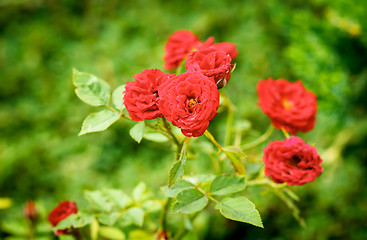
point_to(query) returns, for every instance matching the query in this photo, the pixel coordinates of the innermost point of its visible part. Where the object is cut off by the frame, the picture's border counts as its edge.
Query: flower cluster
(189, 100)
(291, 108)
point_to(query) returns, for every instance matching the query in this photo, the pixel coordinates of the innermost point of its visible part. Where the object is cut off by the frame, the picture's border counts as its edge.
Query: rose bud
(30, 211)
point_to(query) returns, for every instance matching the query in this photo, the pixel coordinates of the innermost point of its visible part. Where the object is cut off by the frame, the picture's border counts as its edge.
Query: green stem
(261, 139)
(286, 134)
(164, 226)
(111, 108)
(237, 164)
(169, 130)
(229, 124)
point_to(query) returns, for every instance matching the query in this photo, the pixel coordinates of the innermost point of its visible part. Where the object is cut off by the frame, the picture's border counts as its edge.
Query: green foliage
(240, 209)
(190, 201)
(99, 121)
(137, 132)
(223, 185)
(91, 89)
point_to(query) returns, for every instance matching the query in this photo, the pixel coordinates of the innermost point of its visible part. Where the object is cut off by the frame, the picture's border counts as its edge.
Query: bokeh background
(321, 42)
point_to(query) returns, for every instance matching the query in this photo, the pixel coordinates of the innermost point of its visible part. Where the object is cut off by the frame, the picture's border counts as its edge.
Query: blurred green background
(322, 42)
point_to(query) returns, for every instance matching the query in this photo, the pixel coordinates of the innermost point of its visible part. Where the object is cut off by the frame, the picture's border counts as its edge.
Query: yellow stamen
(287, 104)
(192, 102)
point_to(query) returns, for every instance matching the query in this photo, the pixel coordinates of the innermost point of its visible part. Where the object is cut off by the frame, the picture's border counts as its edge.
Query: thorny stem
(237, 164)
(261, 139)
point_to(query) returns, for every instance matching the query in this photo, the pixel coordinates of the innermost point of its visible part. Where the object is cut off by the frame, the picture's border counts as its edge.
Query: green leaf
(137, 132)
(77, 220)
(118, 198)
(240, 209)
(177, 170)
(111, 233)
(156, 137)
(190, 201)
(66, 237)
(98, 201)
(152, 205)
(91, 89)
(227, 184)
(140, 192)
(99, 121)
(140, 235)
(108, 218)
(117, 97)
(133, 215)
(176, 188)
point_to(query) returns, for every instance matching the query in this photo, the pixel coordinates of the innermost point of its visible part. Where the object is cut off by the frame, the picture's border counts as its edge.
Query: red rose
(141, 96)
(292, 161)
(227, 47)
(211, 62)
(289, 105)
(179, 45)
(190, 101)
(62, 211)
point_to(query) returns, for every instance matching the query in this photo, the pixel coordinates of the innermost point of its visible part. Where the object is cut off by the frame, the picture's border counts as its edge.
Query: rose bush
(292, 161)
(190, 101)
(62, 211)
(289, 105)
(141, 96)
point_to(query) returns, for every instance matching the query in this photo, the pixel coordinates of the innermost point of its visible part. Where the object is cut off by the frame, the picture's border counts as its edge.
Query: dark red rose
(289, 105)
(62, 211)
(190, 101)
(30, 211)
(211, 62)
(227, 47)
(292, 161)
(179, 45)
(141, 96)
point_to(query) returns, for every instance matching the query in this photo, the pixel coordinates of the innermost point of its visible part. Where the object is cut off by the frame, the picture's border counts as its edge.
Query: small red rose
(179, 45)
(30, 211)
(190, 101)
(211, 62)
(292, 161)
(289, 105)
(141, 96)
(227, 47)
(62, 211)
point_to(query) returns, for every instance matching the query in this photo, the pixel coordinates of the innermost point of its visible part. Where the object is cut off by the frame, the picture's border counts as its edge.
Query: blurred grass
(41, 158)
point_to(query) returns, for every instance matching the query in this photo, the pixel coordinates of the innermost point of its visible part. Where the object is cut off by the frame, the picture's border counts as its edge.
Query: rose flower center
(192, 102)
(294, 160)
(287, 104)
